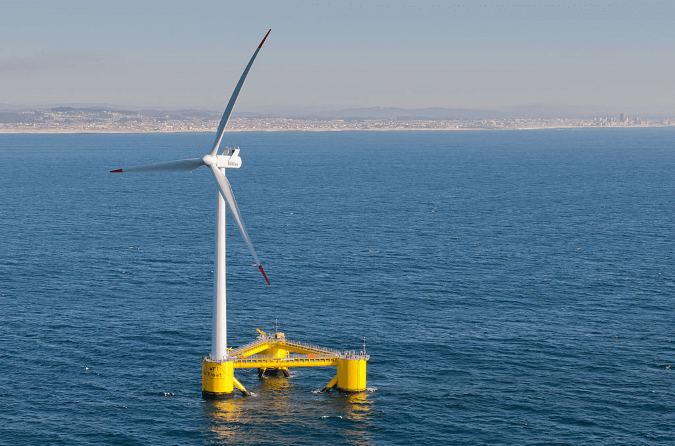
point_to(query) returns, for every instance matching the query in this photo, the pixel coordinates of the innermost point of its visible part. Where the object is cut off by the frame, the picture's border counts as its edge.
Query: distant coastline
(99, 120)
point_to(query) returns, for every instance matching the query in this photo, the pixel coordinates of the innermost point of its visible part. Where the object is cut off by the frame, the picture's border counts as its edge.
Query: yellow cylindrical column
(278, 353)
(351, 375)
(217, 379)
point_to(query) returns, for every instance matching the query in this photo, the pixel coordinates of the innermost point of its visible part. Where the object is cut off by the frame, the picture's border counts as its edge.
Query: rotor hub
(210, 160)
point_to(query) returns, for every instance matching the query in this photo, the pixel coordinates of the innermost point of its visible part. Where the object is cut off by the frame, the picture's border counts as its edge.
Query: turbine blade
(233, 99)
(189, 164)
(226, 191)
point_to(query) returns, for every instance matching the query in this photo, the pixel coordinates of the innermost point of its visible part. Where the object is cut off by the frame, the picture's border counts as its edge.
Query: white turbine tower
(229, 159)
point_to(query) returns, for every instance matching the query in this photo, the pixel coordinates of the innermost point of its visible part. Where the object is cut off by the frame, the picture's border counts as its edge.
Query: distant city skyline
(617, 57)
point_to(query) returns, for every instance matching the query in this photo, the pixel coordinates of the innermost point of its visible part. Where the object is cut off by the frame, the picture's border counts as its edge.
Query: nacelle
(229, 159)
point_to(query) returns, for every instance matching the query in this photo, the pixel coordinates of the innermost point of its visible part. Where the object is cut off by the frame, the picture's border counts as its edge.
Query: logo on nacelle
(229, 161)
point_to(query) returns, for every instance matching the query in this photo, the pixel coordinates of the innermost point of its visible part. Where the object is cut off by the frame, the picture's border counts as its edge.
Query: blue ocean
(513, 287)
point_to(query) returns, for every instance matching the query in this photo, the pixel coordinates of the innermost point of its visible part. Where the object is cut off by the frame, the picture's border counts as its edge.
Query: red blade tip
(263, 41)
(264, 275)
(115, 171)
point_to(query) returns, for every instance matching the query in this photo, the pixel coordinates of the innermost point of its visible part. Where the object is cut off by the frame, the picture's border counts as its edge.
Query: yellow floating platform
(273, 353)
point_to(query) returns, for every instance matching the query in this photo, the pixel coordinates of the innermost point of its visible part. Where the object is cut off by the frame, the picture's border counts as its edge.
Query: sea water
(513, 287)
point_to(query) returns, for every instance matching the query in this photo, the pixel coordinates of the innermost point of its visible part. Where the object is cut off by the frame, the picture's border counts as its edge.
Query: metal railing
(316, 349)
(290, 357)
(239, 350)
(347, 354)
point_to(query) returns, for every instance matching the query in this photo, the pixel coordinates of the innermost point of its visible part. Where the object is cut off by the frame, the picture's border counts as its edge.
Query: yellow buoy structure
(269, 353)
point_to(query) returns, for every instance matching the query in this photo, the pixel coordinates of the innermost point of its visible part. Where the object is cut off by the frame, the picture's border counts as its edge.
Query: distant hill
(15, 118)
(405, 114)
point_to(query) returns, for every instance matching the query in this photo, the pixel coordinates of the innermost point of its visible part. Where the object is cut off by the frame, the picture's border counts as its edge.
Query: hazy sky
(339, 54)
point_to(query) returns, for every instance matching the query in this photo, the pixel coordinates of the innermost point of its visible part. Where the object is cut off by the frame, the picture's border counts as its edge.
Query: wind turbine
(229, 159)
